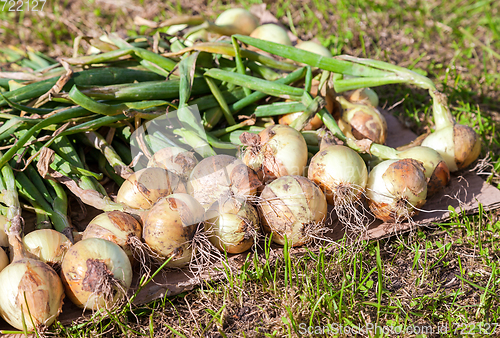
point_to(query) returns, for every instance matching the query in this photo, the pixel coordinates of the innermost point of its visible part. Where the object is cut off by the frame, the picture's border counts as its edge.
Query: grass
(445, 277)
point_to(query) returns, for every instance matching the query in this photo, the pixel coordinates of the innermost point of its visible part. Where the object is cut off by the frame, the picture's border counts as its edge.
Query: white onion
(459, 145)
(363, 96)
(292, 206)
(174, 159)
(170, 226)
(117, 227)
(238, 20)
(340, 172)
(48, 245)
(4, 260)
(220, 175)
(396, 189)
(232, 225)
(314, 47)
(276, 151)
(29, 288)
(144, 187)
(96, 274)
(273, 33)
(4, 241)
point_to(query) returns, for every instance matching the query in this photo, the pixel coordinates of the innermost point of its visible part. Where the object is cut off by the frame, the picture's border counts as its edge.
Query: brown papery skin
(403, 174)
(439, 179)
(467, 145)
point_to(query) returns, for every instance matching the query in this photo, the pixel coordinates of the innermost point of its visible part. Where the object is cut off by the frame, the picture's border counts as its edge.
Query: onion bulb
(29, 288)
(276, 151)
(96, 274)
(232, 224)
(174, 159)
(362, 121)
(170, 226)
(458, 144)
(292, 206)
(220, 175)
(144, 187)
(117, 227)
(362, 96)
(396, 189)
(340, 172)
(272, 32)
(314, 47)
(239, 20)
(48, 245)
(4, 241)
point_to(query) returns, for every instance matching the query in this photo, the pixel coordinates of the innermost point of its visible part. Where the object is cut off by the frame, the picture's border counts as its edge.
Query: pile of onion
(144, 187)
(174, 159)
(396, 189)
(293, 207)
(30, 290)
(96, 274)
(170, 226)
(276, 151)
(232, 224)
(117, 227)
(220, 175)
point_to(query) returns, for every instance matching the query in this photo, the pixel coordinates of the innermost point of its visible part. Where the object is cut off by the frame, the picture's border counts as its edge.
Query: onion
(174, 159)
(362, 122)
(239, 20)
(396, 189)
(29, 288)
(48, 245)
(144, 187)
(4, 260)
(342, 175)
(365, 96)
(117, 227)
(220, 175)
(273, 33)
(458, 144)
(4, 241)
(276, 151)
(292, 206)
(314, 47)
(170, 225)
(96, 274)
(232, 225)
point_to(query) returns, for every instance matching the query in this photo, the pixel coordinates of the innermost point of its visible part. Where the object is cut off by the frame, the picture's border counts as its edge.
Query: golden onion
(48, 245)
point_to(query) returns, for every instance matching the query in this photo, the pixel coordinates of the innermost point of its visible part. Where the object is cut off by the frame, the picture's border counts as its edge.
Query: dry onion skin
(96, 274)
(238, 20)
(436, 170)
(292, 206)
(362, 121)
(29, 288)
(117, 227)
(340, 172)
(276, 151)
(220, 175)
(144, 187)
(170, 225)
(174, 159)
(232, 225)
(48, 245)
(459, 145)
(396, 189)
(272, 32)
